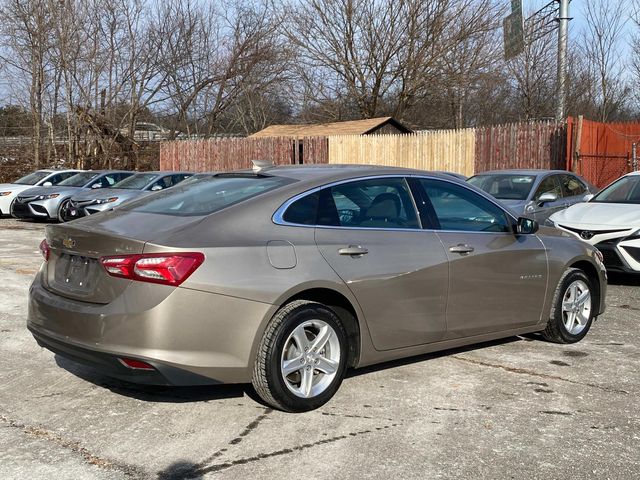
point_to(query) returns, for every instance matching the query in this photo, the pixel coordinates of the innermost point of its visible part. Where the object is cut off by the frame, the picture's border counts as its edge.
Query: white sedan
(610, 221)
(39, 178)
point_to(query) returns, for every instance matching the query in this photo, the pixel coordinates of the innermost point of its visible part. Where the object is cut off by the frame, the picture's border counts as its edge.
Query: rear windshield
(32, 178)
(79, 179)
(624, 190)
(504, 187)
(206, 196)
(136, 182)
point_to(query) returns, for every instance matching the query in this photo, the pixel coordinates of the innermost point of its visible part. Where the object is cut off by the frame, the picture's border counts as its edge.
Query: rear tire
(302, 357)
(573, 309)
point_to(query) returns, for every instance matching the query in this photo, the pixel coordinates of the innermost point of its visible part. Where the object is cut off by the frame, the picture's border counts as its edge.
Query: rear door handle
(353, 250)
(461, 248)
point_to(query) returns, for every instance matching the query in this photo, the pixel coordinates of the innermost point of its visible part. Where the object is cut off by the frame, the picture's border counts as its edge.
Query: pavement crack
(75, 447)
(524, 371)
(285, 451)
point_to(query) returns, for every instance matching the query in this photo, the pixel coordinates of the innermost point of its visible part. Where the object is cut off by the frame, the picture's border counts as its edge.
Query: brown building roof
(353, 127)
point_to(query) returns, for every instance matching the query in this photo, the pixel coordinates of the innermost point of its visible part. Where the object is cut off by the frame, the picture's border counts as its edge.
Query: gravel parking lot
(518, 408)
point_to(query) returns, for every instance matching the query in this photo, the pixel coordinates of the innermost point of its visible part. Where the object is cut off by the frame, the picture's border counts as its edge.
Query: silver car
(140, 184)
(535, 193)
(288, 276)
(47, 203)
(45, 178)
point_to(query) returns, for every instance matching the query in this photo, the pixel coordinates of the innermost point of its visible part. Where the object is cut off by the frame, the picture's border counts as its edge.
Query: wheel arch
(344, 309)
(592, 273)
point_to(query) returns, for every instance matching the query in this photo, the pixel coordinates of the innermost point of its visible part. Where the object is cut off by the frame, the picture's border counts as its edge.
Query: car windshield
(32, 178)
(207, 195)
(504, 187)
(136, 182)
(79, 179)
(623, 190)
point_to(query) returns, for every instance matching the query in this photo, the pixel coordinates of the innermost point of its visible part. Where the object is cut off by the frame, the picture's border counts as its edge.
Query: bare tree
(602, 41)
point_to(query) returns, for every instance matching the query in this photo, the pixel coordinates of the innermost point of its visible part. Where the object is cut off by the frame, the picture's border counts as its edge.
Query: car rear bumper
(190, 337)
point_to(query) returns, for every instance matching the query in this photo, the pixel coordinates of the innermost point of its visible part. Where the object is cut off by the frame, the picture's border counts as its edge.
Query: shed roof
(352, 127)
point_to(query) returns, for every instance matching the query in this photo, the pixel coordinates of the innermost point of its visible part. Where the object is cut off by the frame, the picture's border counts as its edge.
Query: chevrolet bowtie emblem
(69, 242)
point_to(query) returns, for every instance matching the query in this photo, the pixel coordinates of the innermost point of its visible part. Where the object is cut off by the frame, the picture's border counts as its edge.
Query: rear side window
(206, 196)
(303, 211)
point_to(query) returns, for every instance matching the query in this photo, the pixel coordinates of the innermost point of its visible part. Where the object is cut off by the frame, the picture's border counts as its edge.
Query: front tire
(302, 357)
(573, 309)
(62, 211)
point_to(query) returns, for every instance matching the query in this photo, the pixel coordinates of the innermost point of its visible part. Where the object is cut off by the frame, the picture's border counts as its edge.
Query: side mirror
(526, 226)
(96, 185)
(547, 197)
(47, 184)
(155, 188)
(588, 197)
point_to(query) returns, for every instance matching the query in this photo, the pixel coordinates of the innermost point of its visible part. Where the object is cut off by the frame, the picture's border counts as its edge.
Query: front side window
(572, 186)
(548, 185)
(458, 208)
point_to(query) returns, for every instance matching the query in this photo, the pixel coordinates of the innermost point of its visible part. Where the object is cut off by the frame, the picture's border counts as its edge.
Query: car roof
(334, 172)
(523, 171)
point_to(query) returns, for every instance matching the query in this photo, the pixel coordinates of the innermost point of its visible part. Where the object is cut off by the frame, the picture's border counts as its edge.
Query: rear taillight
(164, 268)
(45, 249)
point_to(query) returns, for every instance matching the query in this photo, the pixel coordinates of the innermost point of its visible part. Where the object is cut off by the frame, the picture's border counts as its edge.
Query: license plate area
(75, 273)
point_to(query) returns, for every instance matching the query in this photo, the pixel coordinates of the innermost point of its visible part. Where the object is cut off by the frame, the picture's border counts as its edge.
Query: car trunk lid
(74, 270)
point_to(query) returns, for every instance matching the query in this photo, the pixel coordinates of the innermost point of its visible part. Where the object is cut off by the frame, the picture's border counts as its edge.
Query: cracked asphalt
(516, 408)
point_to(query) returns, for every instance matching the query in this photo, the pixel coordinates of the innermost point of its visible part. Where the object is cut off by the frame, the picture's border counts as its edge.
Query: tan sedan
(287, 276)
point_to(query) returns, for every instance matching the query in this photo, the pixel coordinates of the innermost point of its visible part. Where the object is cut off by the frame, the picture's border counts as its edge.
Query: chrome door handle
(461, 248)
(353, 250)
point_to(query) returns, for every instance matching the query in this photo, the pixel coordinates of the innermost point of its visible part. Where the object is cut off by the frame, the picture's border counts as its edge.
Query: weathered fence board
(521, 145)
(220, 154)
(451, 150)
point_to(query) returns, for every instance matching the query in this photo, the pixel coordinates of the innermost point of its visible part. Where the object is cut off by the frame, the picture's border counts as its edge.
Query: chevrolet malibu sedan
(611, 222)
(44, 178)
(94, 201)
(535, 193)
(48, 203)
(287, 276)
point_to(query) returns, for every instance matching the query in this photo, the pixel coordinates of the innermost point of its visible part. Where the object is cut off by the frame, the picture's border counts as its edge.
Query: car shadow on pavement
(623, 279)
(430, 356)
(154, 393)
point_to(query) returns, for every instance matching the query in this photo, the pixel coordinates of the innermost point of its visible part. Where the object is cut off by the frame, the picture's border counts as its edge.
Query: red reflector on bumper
(135, 364)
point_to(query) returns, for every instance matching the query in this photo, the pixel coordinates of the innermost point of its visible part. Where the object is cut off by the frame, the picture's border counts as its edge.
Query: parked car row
(69, 194)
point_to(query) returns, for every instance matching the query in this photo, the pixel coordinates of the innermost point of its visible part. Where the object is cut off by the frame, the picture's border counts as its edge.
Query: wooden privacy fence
(601, 152)
(451, 150)
(521, 145)
(466, 151)
(220, 154)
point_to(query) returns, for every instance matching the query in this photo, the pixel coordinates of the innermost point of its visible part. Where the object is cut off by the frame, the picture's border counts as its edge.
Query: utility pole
(563, 27)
